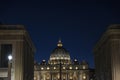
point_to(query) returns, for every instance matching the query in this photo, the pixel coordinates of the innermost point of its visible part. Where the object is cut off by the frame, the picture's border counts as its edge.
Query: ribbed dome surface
(59, 54)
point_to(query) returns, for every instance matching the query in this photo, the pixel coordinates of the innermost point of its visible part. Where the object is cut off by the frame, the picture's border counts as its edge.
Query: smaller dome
(84, 65)
(43, 62)
(84, 62)
(75, 61)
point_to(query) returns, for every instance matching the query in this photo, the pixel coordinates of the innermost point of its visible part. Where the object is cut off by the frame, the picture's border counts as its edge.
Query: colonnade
(65, 76)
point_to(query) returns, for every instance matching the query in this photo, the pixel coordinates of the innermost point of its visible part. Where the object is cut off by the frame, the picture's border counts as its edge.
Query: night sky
(79, 23)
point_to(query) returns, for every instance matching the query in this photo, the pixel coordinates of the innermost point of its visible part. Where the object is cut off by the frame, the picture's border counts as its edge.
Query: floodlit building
(61, 67)
(107, 54)
(15, 41)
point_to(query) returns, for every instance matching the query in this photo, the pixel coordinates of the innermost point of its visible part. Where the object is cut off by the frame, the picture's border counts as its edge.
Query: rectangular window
(5, 50)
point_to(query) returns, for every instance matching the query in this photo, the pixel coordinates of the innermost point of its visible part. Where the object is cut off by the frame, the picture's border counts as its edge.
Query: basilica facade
(61, 67)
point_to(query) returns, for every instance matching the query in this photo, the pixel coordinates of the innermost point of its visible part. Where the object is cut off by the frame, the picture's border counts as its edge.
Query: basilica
(61, 67)
(15, 41)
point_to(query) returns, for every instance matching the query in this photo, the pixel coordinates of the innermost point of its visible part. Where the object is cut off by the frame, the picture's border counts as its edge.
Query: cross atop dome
(59, 43)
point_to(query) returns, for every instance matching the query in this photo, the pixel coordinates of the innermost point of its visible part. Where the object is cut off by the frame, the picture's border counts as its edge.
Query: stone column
(38, 76)
(51, 76)
(66, 77)
(78, 75)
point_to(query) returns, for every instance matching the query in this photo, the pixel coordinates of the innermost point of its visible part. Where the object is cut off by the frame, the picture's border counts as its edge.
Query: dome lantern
(59, 43)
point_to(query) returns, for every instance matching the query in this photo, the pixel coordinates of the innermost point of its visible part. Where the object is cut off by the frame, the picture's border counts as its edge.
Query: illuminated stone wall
(68, 72)
(22, 51)
(60, 66)
(107, 54)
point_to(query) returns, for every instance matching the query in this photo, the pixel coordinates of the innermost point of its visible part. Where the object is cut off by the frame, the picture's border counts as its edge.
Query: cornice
(112, 33)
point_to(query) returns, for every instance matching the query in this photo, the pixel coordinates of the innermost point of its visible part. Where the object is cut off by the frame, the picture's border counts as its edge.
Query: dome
(84, 62)
(59, 54)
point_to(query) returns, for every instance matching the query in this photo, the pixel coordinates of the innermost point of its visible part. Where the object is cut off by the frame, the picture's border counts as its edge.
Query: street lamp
(9, 66)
